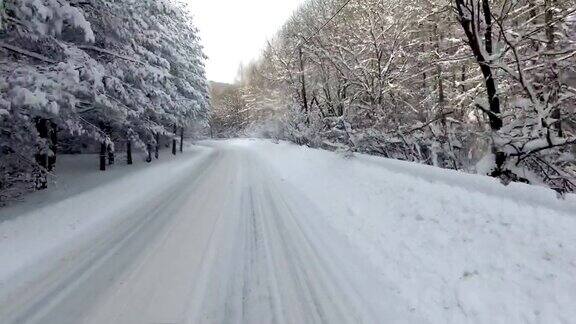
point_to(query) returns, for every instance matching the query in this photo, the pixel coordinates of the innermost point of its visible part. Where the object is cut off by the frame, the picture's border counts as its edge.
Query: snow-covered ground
(81, 204)
(458, 248)
(251, 231)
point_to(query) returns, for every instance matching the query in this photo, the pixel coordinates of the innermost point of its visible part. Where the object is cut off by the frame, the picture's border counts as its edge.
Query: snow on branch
(105, 51)
(24, 52)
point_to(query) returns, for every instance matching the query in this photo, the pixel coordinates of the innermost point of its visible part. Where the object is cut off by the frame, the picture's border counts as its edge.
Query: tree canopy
(98, 71)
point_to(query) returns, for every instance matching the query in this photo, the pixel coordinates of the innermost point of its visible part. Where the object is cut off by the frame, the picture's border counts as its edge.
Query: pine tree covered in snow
(93, 72)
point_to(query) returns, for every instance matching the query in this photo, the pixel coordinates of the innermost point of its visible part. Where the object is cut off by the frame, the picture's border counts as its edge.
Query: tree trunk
(157, 149)
(181, 139)
(129, 153)
(474, 40)
(303, 85)
(463, 78)
(43, 155)
(111, 157)
(494, 102)
(42, 126)
(53, 131)
(533, 14)
(439, 72)
(549, 21)
(441, 96)
(174, 140)
(550, 46)
(471, 26)
(149, 149)
(103, 147)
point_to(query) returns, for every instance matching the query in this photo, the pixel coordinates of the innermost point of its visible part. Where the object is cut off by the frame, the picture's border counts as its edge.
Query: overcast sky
(235, 31)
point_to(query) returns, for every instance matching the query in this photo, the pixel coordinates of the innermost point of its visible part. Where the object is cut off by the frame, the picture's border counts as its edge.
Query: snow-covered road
(248, 231)
(227, 242)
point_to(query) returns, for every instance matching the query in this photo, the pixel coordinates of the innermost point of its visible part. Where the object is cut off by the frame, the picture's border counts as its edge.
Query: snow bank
(460, 248)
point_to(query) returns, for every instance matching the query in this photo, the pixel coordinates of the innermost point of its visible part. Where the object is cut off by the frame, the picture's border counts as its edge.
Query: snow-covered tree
(478, 85)
(109, 72)
(228, 118)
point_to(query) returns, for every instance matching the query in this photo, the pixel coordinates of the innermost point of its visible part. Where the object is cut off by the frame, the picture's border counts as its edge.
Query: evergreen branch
(24, 52)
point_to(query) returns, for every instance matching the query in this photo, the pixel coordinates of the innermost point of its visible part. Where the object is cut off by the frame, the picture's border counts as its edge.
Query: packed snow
(246, 230)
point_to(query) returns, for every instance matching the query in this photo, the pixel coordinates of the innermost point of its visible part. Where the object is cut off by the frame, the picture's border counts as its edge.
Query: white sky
(235, 31)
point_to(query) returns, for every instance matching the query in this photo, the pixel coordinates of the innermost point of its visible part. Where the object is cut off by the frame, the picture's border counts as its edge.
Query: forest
(94, 77)
(482, 86)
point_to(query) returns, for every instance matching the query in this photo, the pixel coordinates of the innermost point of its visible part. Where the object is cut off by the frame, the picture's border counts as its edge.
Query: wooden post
(111, 157)
(149, 149)
(157, 152)
(174, 141)
(53, 145)
(129, 153)
(181, 139)
(103, 147)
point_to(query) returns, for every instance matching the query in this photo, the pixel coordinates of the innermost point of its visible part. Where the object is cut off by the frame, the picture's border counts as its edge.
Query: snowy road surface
(252, 232)
(228, 241)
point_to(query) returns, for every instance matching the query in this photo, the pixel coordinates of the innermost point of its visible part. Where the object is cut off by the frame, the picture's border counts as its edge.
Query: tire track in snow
(71, 285)
(237, 245)
(264, 267)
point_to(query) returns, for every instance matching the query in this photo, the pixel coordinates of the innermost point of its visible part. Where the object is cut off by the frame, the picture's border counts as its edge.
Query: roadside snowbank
(460, 248)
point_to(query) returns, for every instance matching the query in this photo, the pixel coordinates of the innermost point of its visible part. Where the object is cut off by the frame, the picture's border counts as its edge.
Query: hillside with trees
(484, 86)
(94, 76)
